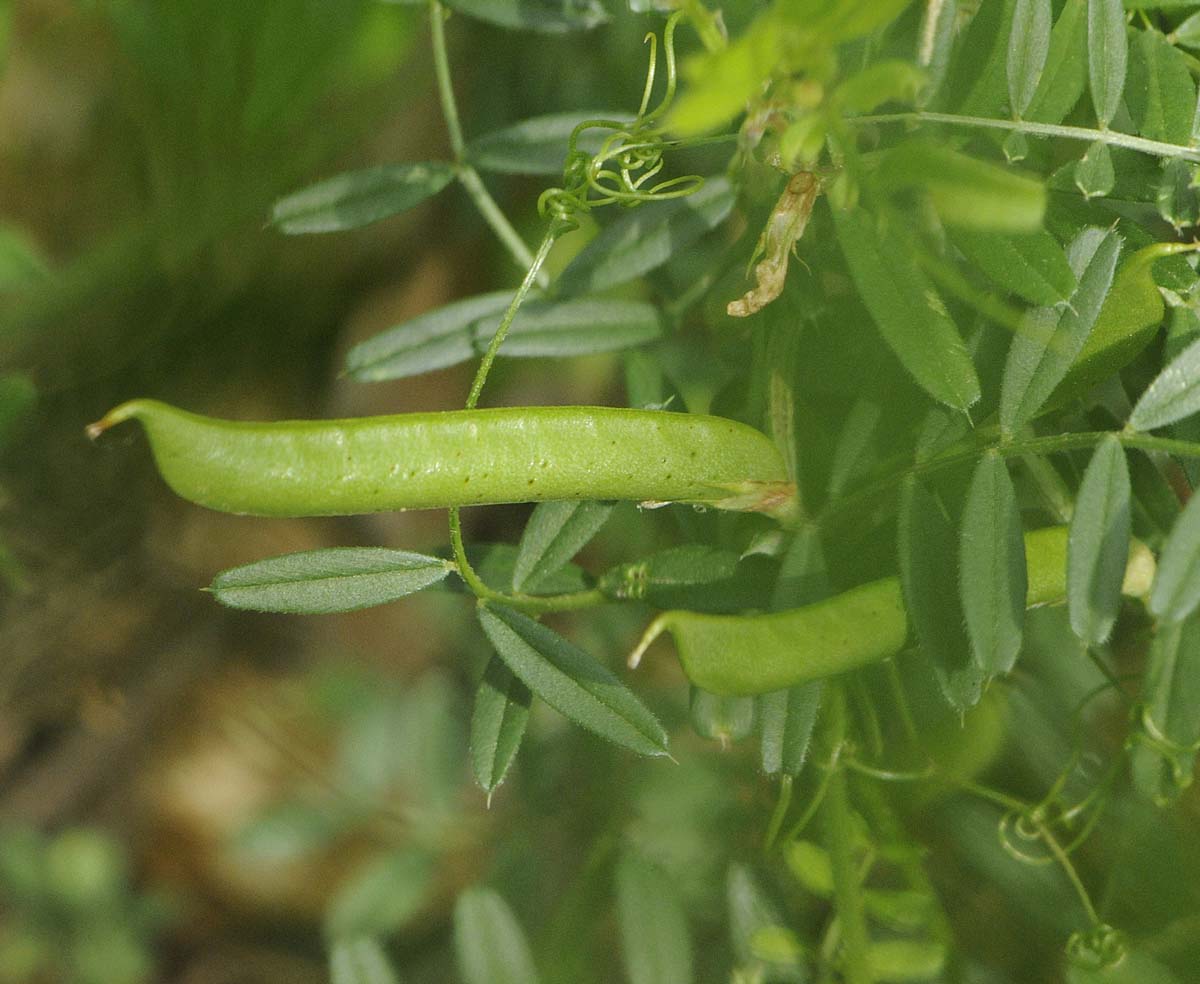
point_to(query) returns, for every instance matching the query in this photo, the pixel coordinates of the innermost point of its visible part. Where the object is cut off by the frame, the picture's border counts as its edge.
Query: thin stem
(1068, 868)
(441, 68)
(1111, 137)
(779, 813)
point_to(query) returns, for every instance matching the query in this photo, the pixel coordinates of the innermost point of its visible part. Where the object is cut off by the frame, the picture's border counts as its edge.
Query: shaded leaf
(555, 532)
(1098, 544)
(571, 681)
(693, 576)
(1029, 45)
(853, 444)
(558, 329)
(646, 238)
(359, 961)
(1171, 694)
(1176, 591)
(907, 311)
(1051, 338)
(498, 722)
(489, 943)
(338, 579)
(992, 567)
(654, 933)
(1108, 53)
(543, 16)
(1173, 395)
(1033, 266)
(537, 145)
(358, 198)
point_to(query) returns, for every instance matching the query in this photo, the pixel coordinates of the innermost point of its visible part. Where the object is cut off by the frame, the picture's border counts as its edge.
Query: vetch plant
(955, 408)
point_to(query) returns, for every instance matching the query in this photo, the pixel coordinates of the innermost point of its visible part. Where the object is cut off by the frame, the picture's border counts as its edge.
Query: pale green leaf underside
(358, 198)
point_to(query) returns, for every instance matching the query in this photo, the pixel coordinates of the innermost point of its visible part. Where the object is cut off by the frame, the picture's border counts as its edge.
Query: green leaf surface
(939, 25)
(1178, 199)
(754, 925)
(992, 572)
(1171, 694)
(1095, 176)
(383, 895)
(655, 943)
(1051, 338)
(645, 238)
(1065, 73)
(1174, 394)
(571, 681)
(1029, 44)
(542, 16)
(1176, 591)
(1098, 544)
(583, 326)
(1160, 94)
(928, 550)
(786, 719)
(360, 961)
(851, 452)
(537, 145)
(489, 944)
(317, 582)
(555, 532)
(1108, 55)
(721, 718)
(908, 312)
(1033, 266)
(358, 198)
(902, 961)
(498, 723)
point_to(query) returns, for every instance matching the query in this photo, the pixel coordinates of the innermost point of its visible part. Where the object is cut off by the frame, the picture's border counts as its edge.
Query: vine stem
(1113, 138)
(468, 177)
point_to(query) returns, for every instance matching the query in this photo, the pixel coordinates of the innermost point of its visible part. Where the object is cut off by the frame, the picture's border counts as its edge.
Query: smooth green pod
(754, 654)
(460, 458)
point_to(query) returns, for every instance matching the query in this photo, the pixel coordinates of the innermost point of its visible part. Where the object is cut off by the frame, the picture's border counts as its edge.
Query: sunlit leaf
(907, 310)
(1033, 266)
(360, 961)
(1176, 591)
(1098, 544)
(1065, 73)
(1028, 47)
(992, 567)
(497, 724)
(338, 579)
(489, 943)
(358, 198)
(571, 681)
(655, 943)
(1108, 53)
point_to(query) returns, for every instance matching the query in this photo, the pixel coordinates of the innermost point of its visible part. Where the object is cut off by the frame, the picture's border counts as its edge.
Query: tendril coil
(624, 169)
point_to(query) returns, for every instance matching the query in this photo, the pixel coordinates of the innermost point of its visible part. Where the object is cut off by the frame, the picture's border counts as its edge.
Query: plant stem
(1111, 137)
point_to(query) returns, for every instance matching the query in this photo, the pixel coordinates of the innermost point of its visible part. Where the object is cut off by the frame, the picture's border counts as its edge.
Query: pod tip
(114, 416)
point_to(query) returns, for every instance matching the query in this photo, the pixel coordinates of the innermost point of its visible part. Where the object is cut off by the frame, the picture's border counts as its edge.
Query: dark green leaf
(1174, 394)
(1108, 52)
(1094, 174)
(1065, 72)
(719, 718)
(1161, 96)
(538, 145)
(359, 961)
(358, 198)
(1098, 544)
(992, 567)
(854, 442)
(803, 576)
(383, 895)
(928, 550)
(1171, 693)
(496, 562)
(543, 16)
(339, 579)
(439, 338)
(907, 311)
(571, 681)
(646, 238)
(654, 932)
(1032, 266)
(1028, 46)
(555, 532)
(488, 941)
(693, 576)
(498, 724)
(1178, 199)
(1051, 338)
(1176, 591)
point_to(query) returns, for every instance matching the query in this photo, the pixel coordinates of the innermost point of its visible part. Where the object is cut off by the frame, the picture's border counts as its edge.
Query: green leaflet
(555, 532)
(498, 722)
(359, 961)
(1029, 45)
(646, 238)
(1164, 760)
(981, 59)
(1098, 544)
(1176, 590)
(966, 192)
(693, 576)
(938, 27)
(543, 16)
(489, 944)
(1042, 353)
(850, 452)
(358, 198)
(1173, 395)
(383, 895)
(1177, 199)
(537, 145)
(907, 310)
(317, 582)
(1065, 73)
(758, 930)
(907, 960)
(721, 718)
(1161, 95)
(1033, 266)
(1108, 53)
(992, 572)
(655, 943)
(929, 576)
(571, 681)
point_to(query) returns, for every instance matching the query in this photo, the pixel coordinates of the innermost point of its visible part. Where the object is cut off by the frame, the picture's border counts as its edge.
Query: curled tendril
(1100, 947)
(1177, 757)
(622, 172)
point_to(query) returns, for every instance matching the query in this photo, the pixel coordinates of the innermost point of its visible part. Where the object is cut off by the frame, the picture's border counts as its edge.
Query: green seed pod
(754, 654)
(460, 458)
